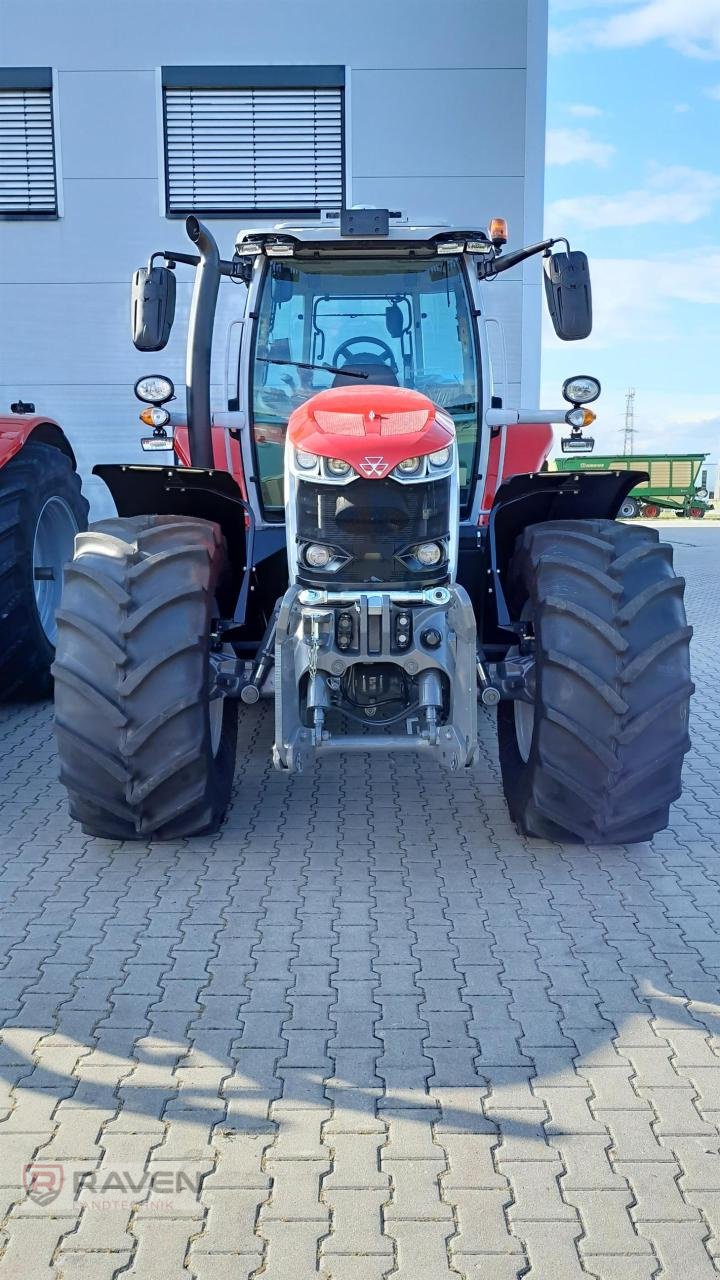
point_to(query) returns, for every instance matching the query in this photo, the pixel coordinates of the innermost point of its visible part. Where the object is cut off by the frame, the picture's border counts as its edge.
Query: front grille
(371, 521)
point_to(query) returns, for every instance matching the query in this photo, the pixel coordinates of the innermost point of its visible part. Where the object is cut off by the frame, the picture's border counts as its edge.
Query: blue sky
(633, 177)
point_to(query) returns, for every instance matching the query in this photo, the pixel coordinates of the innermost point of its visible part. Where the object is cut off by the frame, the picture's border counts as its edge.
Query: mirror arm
(232, 269)
(488, 270)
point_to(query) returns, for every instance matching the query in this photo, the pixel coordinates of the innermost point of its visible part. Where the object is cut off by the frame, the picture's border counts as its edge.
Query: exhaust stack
(199, 343)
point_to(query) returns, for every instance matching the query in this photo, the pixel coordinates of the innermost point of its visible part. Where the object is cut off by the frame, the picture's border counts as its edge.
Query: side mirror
(569, 295)
(152, 307)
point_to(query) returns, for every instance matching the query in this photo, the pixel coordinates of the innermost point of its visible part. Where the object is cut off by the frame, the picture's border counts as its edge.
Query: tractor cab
(345, 317)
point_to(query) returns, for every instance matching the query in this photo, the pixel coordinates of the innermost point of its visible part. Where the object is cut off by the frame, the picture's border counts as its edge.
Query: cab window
(399, 322)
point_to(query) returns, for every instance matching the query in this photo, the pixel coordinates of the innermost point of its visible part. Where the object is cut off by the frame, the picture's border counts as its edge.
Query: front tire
(41, 510)
(597, 758)
(145, 753)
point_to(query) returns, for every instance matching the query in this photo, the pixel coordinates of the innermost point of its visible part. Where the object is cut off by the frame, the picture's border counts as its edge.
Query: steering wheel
(349, 357)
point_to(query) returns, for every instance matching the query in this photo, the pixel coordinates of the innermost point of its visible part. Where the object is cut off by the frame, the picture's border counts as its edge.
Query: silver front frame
(447, 609)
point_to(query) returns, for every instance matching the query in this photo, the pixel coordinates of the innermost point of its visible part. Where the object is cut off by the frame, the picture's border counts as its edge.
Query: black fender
(532, 499)
(138, 489)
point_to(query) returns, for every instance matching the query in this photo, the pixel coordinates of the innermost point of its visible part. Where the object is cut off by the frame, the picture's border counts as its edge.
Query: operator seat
(378, 372)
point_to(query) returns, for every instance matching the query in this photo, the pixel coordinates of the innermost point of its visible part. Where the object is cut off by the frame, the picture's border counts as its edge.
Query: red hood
(371, 427)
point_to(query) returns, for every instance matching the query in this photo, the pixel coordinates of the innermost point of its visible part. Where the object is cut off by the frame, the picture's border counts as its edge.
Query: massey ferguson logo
(373, 467)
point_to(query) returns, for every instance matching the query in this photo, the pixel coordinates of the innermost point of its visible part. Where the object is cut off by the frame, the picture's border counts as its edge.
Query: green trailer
(671, 486)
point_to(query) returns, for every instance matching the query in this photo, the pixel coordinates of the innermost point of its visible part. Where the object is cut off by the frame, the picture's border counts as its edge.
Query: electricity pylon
(629, 433)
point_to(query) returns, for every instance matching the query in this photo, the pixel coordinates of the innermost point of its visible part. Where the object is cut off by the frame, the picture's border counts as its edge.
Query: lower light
(429, 554)
(306, 461)
(317, 556)
(150, 444)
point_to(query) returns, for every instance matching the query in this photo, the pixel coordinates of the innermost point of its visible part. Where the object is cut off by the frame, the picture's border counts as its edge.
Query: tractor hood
(371, 427)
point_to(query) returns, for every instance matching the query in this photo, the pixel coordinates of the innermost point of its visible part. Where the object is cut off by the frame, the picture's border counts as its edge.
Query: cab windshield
(400, 323)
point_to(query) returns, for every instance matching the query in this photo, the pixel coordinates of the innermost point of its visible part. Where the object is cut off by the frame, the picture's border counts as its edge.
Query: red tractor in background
(41, 510)
(367, 529)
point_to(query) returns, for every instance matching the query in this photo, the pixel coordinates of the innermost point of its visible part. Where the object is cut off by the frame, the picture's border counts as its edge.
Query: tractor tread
(137, 583)
(609, 633)
(646, 597)
(640, 664)
(35, 473)
(633, 728)
(614, 684)
(599, 578)
(596, 682)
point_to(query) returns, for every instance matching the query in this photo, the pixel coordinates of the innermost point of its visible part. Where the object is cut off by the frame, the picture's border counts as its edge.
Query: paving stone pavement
(366, 1030)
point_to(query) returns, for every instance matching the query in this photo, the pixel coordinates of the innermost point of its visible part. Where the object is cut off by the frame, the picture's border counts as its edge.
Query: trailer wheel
(651, 511)
(145, 750)
(630, 509)
(697, 513)
(597, 757)
(41, 510)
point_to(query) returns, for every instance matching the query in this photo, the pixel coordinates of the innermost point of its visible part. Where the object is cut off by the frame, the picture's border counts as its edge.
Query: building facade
(117, 120)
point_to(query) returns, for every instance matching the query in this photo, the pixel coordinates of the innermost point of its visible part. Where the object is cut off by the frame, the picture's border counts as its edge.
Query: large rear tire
(41, 510)
(145, 752)
(597, 758)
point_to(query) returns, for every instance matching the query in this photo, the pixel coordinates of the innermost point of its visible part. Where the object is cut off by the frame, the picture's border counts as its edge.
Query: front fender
(533, 499)
(139, 490)
(17, 429)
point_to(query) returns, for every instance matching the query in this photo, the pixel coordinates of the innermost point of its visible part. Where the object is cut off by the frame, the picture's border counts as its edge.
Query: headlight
(429, 554)
(409, 466)
(306, 461)
(154, 416)
(441, 457)
(581, 389)
(154, 389)
(317, 556)
(338, 467)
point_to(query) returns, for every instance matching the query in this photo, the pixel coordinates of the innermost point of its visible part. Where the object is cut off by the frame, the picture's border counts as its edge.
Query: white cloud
(681, 108)
(672, 195)
(713, 92)
(690, 26)
(584, 111)
(577, 146)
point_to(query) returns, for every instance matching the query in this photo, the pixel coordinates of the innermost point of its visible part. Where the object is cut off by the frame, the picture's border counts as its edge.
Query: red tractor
(367, 530)
(41, 510)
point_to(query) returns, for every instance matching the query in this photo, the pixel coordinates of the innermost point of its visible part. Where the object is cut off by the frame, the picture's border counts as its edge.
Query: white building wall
(445, 120)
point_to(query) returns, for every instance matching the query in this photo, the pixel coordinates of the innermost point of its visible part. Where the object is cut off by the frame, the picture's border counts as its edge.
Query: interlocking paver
(387, 1035)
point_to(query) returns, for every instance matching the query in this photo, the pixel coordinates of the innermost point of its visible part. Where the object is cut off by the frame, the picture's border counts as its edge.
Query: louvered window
(258, 149)
(27, 146)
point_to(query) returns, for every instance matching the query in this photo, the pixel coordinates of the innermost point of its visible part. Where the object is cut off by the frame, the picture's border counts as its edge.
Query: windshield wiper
(303, 364)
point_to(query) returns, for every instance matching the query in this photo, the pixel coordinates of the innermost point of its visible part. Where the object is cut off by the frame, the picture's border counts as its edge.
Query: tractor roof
(329, 234)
